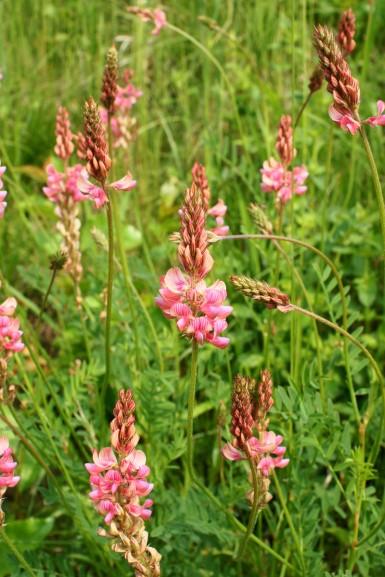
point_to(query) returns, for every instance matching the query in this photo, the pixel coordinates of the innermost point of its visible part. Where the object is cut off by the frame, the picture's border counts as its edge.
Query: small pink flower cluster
(350, 124)
(7, 466)
(63, 183)
(199, 309)
(118, 485)
(97, 193)
(218, 211)
(157, 16)
(121, 123)
(262, 450)
(10, 333)
(3, 193)
(276, 178)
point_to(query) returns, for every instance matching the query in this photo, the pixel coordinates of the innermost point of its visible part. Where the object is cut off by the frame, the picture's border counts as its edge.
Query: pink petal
(126, 183)
(231, 453)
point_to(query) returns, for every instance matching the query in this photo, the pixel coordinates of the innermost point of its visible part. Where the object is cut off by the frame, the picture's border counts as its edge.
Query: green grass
(213, 95)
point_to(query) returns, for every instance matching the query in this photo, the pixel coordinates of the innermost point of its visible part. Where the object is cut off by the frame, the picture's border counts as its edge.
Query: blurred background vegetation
(215, 84)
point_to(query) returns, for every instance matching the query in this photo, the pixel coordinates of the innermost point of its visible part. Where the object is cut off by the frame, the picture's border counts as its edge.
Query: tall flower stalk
(98, 165)
(118, 478)
(199, 310)
(251, 404)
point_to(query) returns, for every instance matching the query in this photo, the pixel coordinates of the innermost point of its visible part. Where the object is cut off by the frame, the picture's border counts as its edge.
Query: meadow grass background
(212, 93)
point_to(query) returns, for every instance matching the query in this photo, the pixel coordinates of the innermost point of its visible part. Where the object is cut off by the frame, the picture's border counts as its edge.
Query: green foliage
(216, 96)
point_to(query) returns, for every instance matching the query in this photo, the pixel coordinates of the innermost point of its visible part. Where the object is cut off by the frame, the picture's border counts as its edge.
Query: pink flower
(232, 453)
(60, 184)
(126, 183)
(7, 467)
(92, 191)
(157, 16)
(285, 183)
(344, 119)
(10, 333)
(118, 484)
(160, 21)
(218, 211)
(127, 96)
(198, 309)
(378, 120)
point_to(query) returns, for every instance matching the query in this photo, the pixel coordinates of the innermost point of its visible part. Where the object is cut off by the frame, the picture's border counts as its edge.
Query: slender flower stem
(350, 337)
(190, 410)
(19, 556)
(48, 291)
(254, 509)
(340, 285)
(110, 280)
(303, 106)
(377, 185)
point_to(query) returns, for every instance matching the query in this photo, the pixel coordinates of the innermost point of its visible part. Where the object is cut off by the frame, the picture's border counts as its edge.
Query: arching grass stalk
(19, 556)
(336, 274)
(191, 471)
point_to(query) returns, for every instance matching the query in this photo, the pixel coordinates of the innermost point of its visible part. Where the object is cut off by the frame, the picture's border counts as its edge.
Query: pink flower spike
(126, 183)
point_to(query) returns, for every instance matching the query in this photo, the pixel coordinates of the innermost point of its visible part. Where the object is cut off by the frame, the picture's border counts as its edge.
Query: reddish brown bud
(242, 410)
(64, 145)
(200, 179)
(193, 246)
(98, 160)
(124, 437)
(316, 79)
(346, 32)
(341, 84)
(284, 144)
(110, 79)
(265, 400)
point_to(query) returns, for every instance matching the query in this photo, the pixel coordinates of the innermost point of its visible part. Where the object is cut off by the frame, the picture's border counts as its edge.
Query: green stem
(190, 463)
(19, 556)
(293, 531)
(350, 337)
(254, 509)
(110, 280)
(190, 410)
(43, 306)
(377, 185)
(330, 263)
(303, 106)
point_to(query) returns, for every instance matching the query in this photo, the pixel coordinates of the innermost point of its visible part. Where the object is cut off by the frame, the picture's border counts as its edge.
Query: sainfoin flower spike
(7, 469)
(276, 175)
(10, 343)
(249, 417)
(200, 310)
(3, 193)
(119, 491)
(63, 190)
